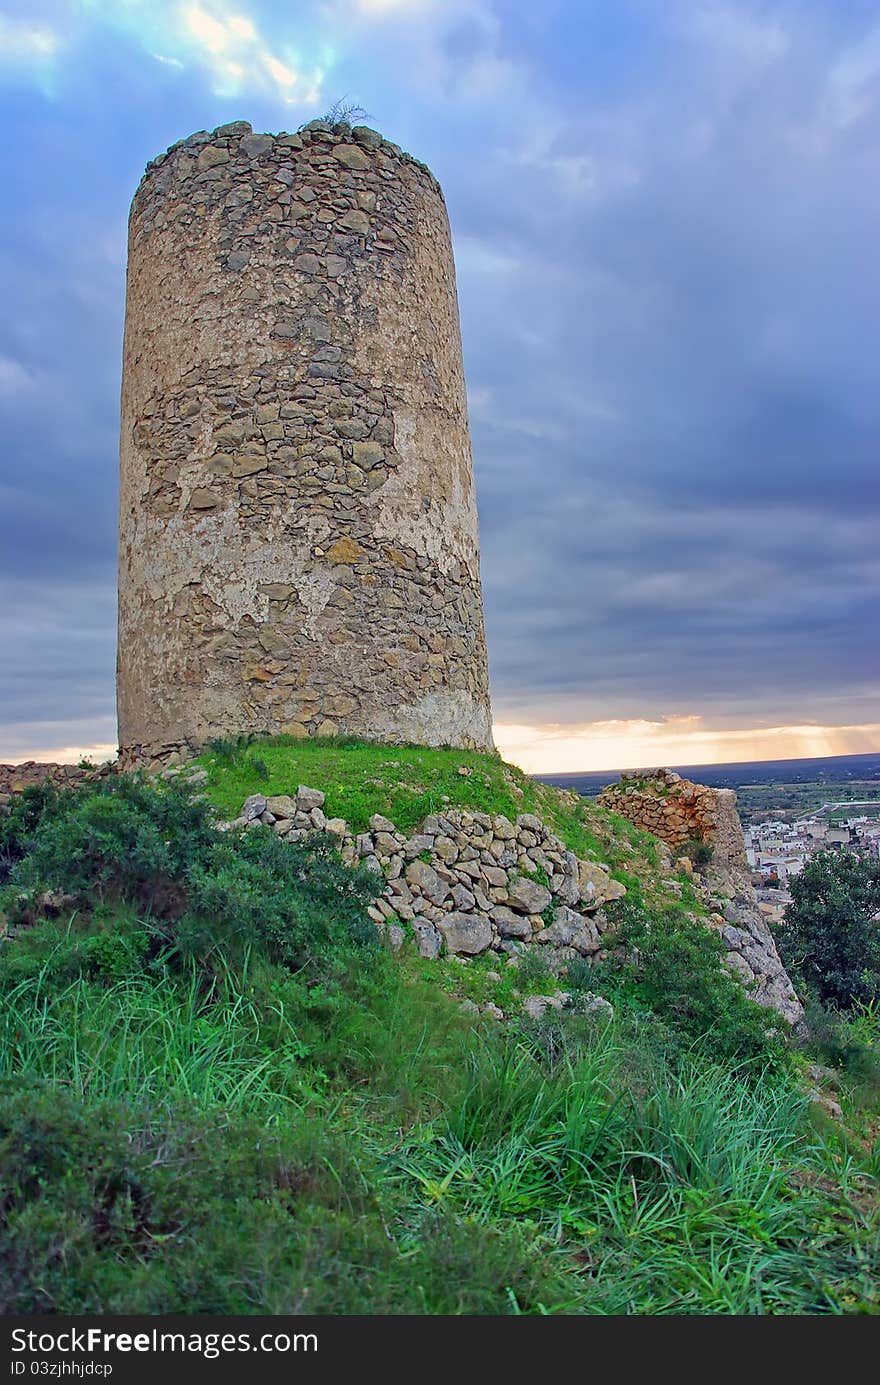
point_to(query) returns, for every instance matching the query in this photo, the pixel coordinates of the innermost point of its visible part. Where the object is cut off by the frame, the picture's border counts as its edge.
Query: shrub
(198, 891)
(533, 970)
(698, 852)
(105, 946)
(830, 937)
(22, 820)
(836, 1040)
(672, 967)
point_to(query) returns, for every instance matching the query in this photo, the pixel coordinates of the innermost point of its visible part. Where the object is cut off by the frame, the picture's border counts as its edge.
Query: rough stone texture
(14, 779)
(672, 808)
(751, 950)
(474, 892)
(466, 934)
(298, 527)
(676, 811)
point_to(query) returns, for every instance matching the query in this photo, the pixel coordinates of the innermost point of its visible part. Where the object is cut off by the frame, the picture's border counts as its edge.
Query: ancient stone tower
(298, 529)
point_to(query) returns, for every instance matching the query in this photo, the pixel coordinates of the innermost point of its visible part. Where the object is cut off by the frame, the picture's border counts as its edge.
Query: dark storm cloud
(665, 222)
(675, 405)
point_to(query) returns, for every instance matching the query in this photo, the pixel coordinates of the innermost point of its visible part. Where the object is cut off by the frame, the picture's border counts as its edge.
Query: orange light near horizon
(63, 755)
(610, 745)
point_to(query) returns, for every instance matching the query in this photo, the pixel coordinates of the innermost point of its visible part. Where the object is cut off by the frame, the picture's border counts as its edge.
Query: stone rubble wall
(15, 779)
(299, 547)
(664, 804)
(678, 811)
(465, 881)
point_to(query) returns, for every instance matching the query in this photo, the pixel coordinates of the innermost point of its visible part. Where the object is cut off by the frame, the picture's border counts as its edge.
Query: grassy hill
(407, 783)
(219, 1092)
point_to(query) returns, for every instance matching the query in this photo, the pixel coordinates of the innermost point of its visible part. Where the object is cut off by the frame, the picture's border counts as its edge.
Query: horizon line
(703, 764)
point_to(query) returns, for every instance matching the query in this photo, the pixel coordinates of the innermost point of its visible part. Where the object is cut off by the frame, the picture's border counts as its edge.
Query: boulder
(426, 879)
(380, 824)
(503, 827)
(428, 937)
(462, 898)
(569, 929)
(593, 880)
(417, 844)
(509, 924)
(254, 807)
(536, 1005)
(527, 896)
(467, 934)
(531, 823)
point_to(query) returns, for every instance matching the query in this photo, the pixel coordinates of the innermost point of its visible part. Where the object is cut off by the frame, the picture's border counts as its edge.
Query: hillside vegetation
(220, 1093)
(407, 783)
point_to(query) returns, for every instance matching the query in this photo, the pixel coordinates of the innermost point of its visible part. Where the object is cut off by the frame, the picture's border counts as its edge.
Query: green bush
(106, 945)
(673, 968)
(830, 936)
(22, 820)
(199, 892)
(836, 1040)
(698, 852)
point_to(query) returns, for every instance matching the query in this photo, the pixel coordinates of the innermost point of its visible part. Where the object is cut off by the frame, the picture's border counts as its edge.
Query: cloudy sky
(666, 216)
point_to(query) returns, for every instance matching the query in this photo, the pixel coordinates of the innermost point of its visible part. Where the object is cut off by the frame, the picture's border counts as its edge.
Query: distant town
(778, 851)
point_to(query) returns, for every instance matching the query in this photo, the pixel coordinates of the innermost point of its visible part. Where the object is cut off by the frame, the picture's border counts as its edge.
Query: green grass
(223, 1122)
(152, 1042)
(239, 1152)
(406, 783)
(475, 979)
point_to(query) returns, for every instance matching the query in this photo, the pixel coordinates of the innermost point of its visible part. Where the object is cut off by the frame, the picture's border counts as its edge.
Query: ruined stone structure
(466, 882)
(14, 779)
(674, 809)
(298, 528)
(678, 811)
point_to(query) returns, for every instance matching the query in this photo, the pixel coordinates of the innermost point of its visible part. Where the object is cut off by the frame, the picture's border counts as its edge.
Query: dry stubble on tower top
(298, 529)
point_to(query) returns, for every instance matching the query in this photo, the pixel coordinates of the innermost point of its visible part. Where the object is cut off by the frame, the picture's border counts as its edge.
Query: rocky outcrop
(751, 950)
(678, 811)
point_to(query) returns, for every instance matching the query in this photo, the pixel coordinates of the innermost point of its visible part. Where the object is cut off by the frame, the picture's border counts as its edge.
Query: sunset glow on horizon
(609, 745)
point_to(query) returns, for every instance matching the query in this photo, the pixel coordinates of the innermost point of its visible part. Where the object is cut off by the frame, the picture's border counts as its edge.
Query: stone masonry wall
(661, 802)
(677, 811)
(298, 528)
(469, 883)
(15, 779)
